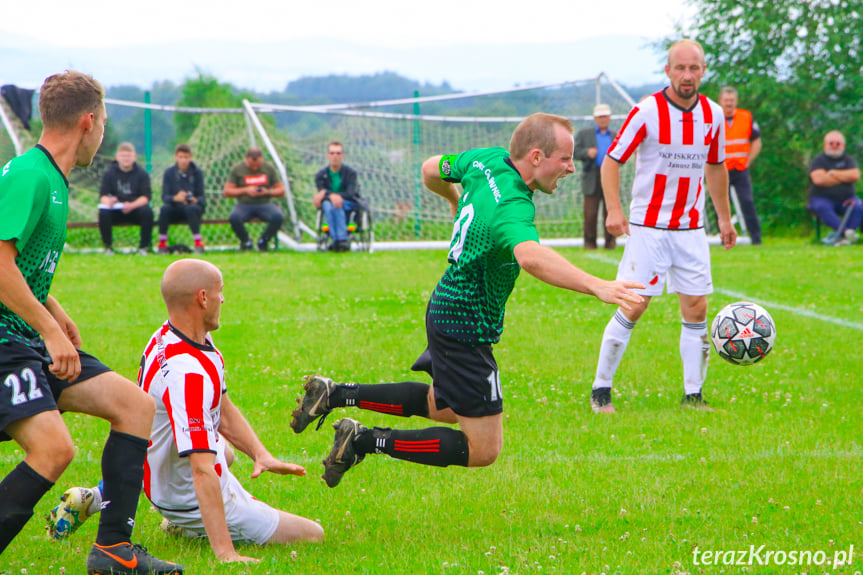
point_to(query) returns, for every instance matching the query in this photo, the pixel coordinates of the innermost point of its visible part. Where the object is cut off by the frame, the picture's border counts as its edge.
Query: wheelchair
(361, 235)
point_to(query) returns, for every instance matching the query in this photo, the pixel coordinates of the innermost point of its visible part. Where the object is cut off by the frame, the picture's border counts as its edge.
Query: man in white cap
(591, 145)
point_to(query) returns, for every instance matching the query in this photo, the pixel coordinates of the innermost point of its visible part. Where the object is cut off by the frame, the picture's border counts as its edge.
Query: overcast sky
(76, 30)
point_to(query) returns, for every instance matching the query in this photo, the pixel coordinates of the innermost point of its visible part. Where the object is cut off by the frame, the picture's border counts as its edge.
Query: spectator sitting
(124, 198)
(253, 182)
(337, 195)
(183, 197)
(832, 175)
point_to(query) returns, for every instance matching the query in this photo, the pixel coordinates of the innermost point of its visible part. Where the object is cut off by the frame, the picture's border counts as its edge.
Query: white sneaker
(73, 511)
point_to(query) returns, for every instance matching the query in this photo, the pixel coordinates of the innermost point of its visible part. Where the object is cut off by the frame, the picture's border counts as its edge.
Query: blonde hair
(537, 131)
(64, 97)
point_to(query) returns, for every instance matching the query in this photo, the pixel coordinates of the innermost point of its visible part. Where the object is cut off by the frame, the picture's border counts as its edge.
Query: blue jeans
(830, 212)
(337, 219)
(268, 212)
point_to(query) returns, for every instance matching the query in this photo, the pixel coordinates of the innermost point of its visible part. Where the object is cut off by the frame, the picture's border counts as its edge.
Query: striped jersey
(673, 147)
(187, 381)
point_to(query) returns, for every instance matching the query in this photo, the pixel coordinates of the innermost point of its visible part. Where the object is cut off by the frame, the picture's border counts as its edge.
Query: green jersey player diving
(493, 238)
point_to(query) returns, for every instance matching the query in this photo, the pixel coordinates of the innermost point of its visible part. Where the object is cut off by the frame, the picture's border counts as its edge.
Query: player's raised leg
(322, 395)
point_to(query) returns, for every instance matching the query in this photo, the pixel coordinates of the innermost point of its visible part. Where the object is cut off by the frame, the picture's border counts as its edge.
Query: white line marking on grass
(767, 304)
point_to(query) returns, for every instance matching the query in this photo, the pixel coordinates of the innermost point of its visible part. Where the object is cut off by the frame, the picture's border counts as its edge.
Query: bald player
(187, 477)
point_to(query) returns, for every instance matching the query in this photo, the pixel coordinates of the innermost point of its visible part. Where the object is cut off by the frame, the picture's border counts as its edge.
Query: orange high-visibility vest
(737, 140)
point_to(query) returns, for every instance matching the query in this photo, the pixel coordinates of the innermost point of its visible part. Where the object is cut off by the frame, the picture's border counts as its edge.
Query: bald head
(184, 279)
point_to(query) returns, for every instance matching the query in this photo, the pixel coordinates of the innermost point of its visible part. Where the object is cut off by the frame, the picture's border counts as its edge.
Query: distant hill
(341, 88)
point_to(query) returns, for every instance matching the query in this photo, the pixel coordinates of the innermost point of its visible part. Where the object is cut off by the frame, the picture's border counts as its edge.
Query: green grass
(778, 465)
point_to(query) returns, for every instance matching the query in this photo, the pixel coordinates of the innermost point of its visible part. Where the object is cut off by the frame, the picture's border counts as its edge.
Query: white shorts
(680, 258)
(249, 520)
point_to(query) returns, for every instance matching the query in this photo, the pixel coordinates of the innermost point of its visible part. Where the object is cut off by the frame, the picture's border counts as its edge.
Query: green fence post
(418, 184)
(148, 133)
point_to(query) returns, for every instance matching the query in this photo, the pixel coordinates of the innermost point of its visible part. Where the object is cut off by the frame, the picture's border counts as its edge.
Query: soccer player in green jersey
(41, 367)
(494, 237)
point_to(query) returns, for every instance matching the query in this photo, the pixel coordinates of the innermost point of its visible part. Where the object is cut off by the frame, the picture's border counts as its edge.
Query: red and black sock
(403, 399)
(20, 491)
(122, 475)
(438, 446)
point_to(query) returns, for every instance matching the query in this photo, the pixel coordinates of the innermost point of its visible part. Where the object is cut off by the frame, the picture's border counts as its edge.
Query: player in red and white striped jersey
(680, 138)
(186, 475)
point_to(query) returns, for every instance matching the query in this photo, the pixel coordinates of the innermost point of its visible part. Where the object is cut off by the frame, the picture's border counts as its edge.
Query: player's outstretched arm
(616, 222)
(16, 295)
(717, 185)
(433, 181)
(212, 506)
(236, 428)
(549, 266)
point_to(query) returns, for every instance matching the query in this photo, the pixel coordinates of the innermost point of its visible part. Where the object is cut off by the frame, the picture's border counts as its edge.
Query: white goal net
(385, 141)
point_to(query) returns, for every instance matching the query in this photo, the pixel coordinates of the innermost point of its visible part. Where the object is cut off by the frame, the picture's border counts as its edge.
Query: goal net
(385, 141)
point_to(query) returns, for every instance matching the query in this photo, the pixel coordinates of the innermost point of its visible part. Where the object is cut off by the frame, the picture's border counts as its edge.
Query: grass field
(780, 463)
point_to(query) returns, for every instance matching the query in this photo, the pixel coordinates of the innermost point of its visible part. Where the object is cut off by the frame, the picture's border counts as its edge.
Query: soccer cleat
(170, 528)
(246, 246)
(262, 245)
(343, 456)
(143, 252)
(127, 559)
(600, 400)
(314, 404)
(199, 249)
(695, 401)
(72, 512)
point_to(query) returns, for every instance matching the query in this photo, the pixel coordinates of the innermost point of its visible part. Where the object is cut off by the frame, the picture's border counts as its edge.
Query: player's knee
(51, 458)
(484, 454)
(313, 532)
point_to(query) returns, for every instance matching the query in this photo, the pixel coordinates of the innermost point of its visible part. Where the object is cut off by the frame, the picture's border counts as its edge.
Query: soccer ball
(743, 333)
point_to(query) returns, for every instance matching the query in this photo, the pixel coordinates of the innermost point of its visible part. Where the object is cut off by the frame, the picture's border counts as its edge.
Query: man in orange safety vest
(742, 146)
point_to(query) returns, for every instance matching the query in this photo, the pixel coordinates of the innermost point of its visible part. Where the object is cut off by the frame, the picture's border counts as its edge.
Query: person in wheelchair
(337, 195)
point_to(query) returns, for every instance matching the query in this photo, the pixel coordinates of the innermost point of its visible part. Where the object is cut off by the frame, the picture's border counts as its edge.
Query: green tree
(203, 91)
(798, 68)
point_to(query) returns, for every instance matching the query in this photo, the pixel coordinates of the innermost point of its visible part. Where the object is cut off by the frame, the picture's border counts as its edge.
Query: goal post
(385, 141)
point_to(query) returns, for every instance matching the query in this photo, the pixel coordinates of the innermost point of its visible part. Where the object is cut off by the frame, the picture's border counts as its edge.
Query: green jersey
(34, 205)
(495, 213)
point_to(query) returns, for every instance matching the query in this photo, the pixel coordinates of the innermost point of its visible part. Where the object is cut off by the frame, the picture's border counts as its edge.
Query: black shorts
(28, 387)
(465, 378)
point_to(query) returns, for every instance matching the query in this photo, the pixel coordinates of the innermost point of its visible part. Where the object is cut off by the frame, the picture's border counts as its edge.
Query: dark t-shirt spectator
(125, 186)
(839, 192)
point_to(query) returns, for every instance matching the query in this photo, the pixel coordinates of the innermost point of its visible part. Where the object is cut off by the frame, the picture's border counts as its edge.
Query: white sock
(615, 338)
(96, 504)
(694, 351)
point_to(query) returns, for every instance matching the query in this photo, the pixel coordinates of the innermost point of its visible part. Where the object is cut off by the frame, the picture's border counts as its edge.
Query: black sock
(20, 491)
(438, 446)
(122, 476)
(404, 399)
